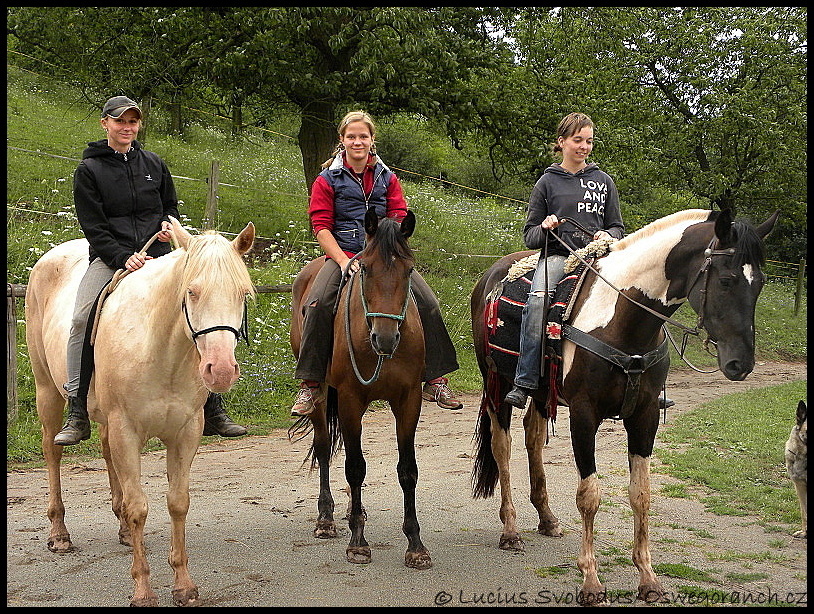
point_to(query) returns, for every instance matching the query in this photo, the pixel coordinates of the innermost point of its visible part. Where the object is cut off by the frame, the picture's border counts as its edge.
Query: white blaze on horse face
(748, 273)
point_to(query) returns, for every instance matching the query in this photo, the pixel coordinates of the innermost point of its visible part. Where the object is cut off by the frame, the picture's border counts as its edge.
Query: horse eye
(726, 282)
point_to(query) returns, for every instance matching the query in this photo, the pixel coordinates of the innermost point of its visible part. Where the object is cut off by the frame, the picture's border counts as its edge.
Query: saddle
(503, 317)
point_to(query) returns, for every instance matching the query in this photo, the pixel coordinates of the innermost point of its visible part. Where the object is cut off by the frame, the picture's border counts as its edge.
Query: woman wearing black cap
(123, 195)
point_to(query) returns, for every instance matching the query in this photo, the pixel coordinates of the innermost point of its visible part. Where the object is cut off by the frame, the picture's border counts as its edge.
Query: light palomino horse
(696, 256)
(165, 337)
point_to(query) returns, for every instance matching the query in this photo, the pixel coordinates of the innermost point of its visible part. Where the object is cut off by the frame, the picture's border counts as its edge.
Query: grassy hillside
(459, 234)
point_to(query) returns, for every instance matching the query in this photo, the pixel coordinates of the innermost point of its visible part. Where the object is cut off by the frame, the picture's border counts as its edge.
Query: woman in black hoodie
(123, 195)
(580, 191)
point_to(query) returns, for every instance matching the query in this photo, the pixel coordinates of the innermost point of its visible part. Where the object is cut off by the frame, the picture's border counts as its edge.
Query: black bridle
(242, 332)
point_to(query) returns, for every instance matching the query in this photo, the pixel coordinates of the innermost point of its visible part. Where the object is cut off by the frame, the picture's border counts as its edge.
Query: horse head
(386, 264)
(213, 291)
(726, 292)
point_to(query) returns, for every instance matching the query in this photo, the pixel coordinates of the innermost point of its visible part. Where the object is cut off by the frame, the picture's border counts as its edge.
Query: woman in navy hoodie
(123, 195)
(576, 189)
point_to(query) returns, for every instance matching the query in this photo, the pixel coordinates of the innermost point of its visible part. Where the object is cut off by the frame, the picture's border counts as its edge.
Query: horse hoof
(150, 601)
(650, 593)
(551, 529)
(592, 597)
(358, 554)
(325, 530)
(418, 560)
(60, 544)
(185, 596)
(513, 543)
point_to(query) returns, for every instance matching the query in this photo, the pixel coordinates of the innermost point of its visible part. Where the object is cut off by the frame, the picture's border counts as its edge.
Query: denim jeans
(532, 330)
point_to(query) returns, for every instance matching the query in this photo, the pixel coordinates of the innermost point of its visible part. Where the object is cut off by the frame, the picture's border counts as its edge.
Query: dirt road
(250, 543)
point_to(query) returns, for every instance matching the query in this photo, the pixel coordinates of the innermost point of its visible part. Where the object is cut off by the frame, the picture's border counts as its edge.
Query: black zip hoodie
(121, 200)
(589, 197)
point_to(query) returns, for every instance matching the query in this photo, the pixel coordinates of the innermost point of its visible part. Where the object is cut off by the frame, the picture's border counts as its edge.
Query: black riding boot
(216, 422)
(77, 427)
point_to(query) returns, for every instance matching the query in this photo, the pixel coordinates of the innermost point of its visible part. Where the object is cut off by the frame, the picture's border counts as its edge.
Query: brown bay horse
(697, 256)
(165, 337)
(378, 354)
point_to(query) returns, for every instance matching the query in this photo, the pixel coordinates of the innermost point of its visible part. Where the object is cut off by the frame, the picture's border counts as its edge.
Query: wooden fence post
(11, 357)
(210, 221)
(798, 293)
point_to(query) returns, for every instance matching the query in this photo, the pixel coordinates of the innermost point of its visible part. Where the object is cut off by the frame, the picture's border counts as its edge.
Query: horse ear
(244, 241)
(180, 233)
(408, 224)
(802, 413)
(723, 225)
(371, 221)
(767, 226)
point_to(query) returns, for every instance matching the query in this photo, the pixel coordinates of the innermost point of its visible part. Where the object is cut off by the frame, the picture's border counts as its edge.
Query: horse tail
(485, 472)
(332, 416)
(304, 426)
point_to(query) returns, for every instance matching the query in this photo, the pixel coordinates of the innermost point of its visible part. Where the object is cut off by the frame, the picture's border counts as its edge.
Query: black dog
(797, 462)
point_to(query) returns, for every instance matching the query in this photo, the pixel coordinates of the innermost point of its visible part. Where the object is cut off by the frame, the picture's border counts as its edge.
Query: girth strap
(633, 365)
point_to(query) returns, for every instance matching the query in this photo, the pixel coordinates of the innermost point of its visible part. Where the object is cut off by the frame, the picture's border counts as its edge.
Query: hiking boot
(77, 427)
(517, 397)
(437, 390)
(216, 422)
(307, 398)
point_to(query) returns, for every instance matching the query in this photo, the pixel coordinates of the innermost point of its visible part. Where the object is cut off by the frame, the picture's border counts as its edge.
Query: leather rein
(369, 314)
(636, 364)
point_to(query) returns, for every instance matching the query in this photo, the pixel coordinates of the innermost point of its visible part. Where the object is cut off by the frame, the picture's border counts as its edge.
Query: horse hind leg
(536, 428)
(125, 537)
(502, 451)
(650, 589)
(50, 405)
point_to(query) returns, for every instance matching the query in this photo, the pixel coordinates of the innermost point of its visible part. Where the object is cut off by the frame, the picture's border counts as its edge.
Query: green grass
(733, 447)
(459, 234)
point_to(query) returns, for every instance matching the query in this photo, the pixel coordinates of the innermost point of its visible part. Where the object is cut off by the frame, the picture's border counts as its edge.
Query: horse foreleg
(325, 527)
(588, 496)
(502, 451)
(49, 407)
(650, 589)
(417, 555)
(115, 488)
(536, 429)
(358, 550)
(125, 452)
(180, 453)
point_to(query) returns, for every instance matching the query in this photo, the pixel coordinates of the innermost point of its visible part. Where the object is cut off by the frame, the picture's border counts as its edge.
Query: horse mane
(749, 248)
(689, 215)
(215, 266)
(390, 242)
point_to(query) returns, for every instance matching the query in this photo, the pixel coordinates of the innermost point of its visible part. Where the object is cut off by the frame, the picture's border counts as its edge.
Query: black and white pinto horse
(699, 256)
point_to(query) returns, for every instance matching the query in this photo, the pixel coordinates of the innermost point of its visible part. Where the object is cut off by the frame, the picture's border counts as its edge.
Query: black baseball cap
(118, 105)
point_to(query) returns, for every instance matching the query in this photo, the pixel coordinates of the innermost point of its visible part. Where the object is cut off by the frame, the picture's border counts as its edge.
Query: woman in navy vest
(353, 179)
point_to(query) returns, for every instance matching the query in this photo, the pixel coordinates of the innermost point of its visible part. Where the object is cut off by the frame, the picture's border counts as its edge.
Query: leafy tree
(707, 100)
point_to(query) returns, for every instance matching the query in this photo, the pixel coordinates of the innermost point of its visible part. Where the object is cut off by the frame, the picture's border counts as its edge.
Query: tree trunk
(317, 138)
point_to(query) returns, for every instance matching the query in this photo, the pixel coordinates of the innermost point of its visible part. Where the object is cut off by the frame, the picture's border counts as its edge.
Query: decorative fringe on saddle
(502, 317)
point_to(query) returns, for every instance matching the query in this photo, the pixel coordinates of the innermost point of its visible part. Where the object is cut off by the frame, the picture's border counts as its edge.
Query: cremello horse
(165, 337)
